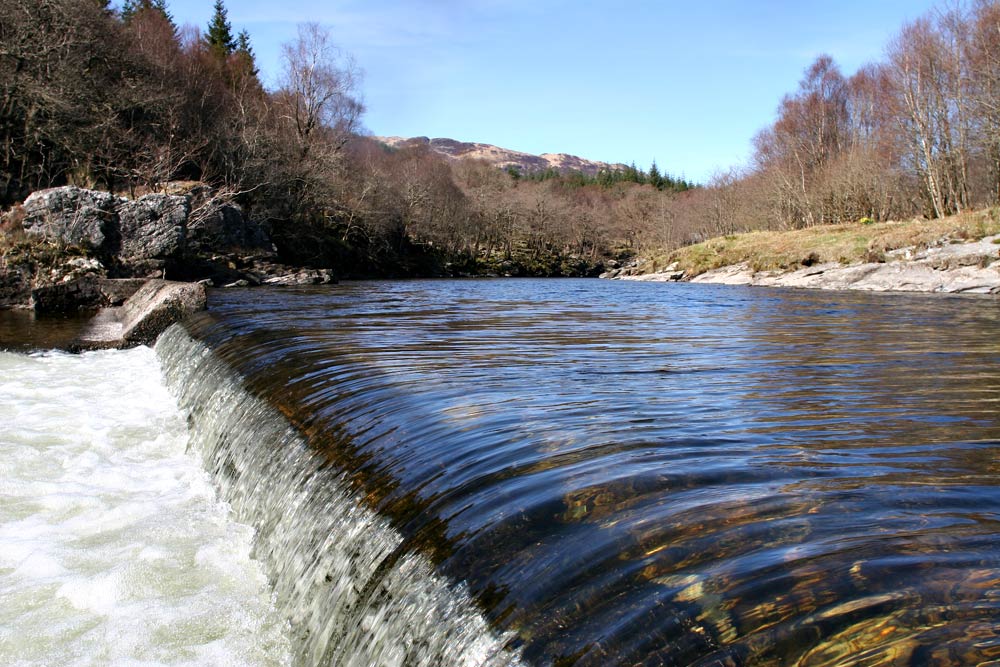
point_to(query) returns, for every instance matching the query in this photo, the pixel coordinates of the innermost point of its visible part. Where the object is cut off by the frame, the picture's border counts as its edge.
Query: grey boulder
(72, 215)
(153, 227)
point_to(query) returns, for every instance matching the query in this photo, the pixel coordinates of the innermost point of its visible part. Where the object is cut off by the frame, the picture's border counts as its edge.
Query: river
(582, 472)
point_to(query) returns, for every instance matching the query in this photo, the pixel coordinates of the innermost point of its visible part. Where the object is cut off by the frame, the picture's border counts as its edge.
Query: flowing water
(113, 547)
(594, 473)
(603, 473)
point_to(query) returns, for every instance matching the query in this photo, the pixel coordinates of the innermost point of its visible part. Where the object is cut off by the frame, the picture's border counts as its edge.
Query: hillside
(503, 157)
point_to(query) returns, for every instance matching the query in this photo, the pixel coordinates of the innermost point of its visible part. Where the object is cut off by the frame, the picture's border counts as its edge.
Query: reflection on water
(24, 330)
(630, 473)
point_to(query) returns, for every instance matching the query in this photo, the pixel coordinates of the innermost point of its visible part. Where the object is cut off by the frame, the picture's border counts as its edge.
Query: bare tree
(984, 62)
(811, 131)
(930, 75)
(318, 89)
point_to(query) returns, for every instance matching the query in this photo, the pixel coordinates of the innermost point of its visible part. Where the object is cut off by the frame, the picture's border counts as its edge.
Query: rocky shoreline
(137, 264)
(954, 268)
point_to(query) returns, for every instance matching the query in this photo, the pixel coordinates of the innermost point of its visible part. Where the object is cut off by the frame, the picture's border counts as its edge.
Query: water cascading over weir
(353, 589)
(505, 473)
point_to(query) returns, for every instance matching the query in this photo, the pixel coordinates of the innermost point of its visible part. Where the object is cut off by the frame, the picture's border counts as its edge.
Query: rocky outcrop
(48, 279)
(74, 216)
(15, 286)
(153, 227)
(177, 236)
(144, 316)
(147, 237)
(964, 268)
(90, 237)
(216, 226)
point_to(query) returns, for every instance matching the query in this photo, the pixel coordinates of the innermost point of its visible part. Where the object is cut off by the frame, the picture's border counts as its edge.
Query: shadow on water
(25, 331)
(629, 473)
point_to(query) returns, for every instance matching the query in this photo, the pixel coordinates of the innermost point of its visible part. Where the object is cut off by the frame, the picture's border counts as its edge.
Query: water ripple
(626, 473)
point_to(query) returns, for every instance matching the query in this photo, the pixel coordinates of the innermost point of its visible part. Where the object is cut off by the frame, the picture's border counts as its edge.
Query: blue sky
(687, 84)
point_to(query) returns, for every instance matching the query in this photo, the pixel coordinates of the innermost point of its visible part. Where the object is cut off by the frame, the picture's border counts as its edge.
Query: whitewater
(114, 547)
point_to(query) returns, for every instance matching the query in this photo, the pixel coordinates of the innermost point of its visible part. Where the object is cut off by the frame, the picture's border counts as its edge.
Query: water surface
(630, 473)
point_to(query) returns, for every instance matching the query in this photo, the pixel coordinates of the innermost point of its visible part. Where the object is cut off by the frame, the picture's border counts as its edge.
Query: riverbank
(960, 254)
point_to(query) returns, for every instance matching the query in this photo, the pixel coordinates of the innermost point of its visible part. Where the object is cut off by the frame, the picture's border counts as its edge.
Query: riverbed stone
(303, 277)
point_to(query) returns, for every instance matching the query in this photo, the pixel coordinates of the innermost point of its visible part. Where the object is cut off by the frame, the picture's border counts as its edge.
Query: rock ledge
(962, 268)
(143, 317)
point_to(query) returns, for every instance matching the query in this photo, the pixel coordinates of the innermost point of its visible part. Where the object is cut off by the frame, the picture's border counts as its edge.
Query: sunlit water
(506, 472)
(114, 549)
(611, 473)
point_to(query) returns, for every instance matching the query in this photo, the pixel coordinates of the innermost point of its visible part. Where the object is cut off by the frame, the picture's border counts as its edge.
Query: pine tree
(220, 32)
(245, 52)
(128, 10)
(243, 43)
(131, 7)
(655, 178)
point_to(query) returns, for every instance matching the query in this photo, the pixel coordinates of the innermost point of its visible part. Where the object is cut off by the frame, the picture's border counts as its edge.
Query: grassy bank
(845, 243)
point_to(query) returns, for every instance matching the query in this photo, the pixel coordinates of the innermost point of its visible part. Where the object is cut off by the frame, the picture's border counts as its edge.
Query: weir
(578, 473)
(342, 576)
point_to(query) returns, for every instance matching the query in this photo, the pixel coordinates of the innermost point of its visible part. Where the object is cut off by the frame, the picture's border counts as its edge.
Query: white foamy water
(114, 549)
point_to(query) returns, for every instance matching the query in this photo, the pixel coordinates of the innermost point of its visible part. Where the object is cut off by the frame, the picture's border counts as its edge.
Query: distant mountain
(503, 157)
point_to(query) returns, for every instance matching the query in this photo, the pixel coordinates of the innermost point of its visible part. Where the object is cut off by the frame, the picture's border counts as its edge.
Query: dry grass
(19, 248)
(846, 243)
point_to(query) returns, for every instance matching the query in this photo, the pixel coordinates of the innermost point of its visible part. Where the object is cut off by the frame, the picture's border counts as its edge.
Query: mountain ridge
(504, 158)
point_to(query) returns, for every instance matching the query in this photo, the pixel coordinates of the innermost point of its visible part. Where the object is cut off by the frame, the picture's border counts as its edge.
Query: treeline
(917, 134)
(125, 100)
(545, 222)
(609, 177)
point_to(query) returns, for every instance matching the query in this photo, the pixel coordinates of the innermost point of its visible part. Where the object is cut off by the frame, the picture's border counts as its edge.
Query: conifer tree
(655, 178)
(243, 43)
(245, 51)
(131, 7)
(220, 32)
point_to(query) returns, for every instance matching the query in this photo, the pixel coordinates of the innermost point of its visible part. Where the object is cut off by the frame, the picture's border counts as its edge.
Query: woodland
(125, 100)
